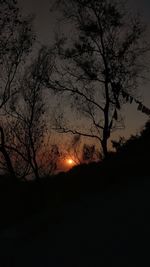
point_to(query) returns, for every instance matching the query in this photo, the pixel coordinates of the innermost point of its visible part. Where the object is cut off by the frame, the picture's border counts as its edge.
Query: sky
(46, 24)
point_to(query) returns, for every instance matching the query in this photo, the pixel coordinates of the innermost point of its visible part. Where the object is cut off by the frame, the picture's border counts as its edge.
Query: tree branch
(63, 130)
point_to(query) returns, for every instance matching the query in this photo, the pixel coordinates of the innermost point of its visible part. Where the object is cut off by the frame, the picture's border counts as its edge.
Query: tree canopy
(101, 64)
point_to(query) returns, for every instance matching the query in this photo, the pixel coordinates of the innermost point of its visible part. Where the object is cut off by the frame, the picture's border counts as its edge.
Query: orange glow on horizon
(70, 162)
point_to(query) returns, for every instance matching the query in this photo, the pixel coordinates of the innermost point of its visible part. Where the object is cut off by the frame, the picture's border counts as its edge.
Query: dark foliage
(99, 66)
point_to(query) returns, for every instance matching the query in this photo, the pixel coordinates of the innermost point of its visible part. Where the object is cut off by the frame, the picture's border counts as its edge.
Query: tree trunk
(6, 155)
(36, 173)
(106, 124)
(33, 157)
(104, 147)
(8, 162)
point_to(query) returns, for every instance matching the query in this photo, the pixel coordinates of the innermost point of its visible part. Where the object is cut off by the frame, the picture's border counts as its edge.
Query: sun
(70, 162)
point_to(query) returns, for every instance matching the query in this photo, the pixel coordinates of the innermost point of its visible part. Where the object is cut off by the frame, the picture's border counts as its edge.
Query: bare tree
(27, 114)
(75, 148)
(5, 154)
(100, 66)
(90, 153)
(81, 152)
(16, 38)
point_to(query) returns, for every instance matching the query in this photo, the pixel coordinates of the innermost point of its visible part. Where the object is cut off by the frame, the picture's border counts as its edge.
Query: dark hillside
(94, 215)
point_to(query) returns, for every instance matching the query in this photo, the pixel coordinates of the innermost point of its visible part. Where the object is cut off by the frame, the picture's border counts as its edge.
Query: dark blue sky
(45, 24)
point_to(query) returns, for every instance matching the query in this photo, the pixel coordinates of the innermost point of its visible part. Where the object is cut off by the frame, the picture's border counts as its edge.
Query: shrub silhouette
(134, 152)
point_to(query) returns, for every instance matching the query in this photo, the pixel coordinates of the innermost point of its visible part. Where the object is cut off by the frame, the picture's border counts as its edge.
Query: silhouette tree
(137, 144)
(101, 64)
(73, 149)
(132, 155)
(90, 153)
(5, 154)
(53, 158)
(27, 114)
(16, 38)
(81, 152)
